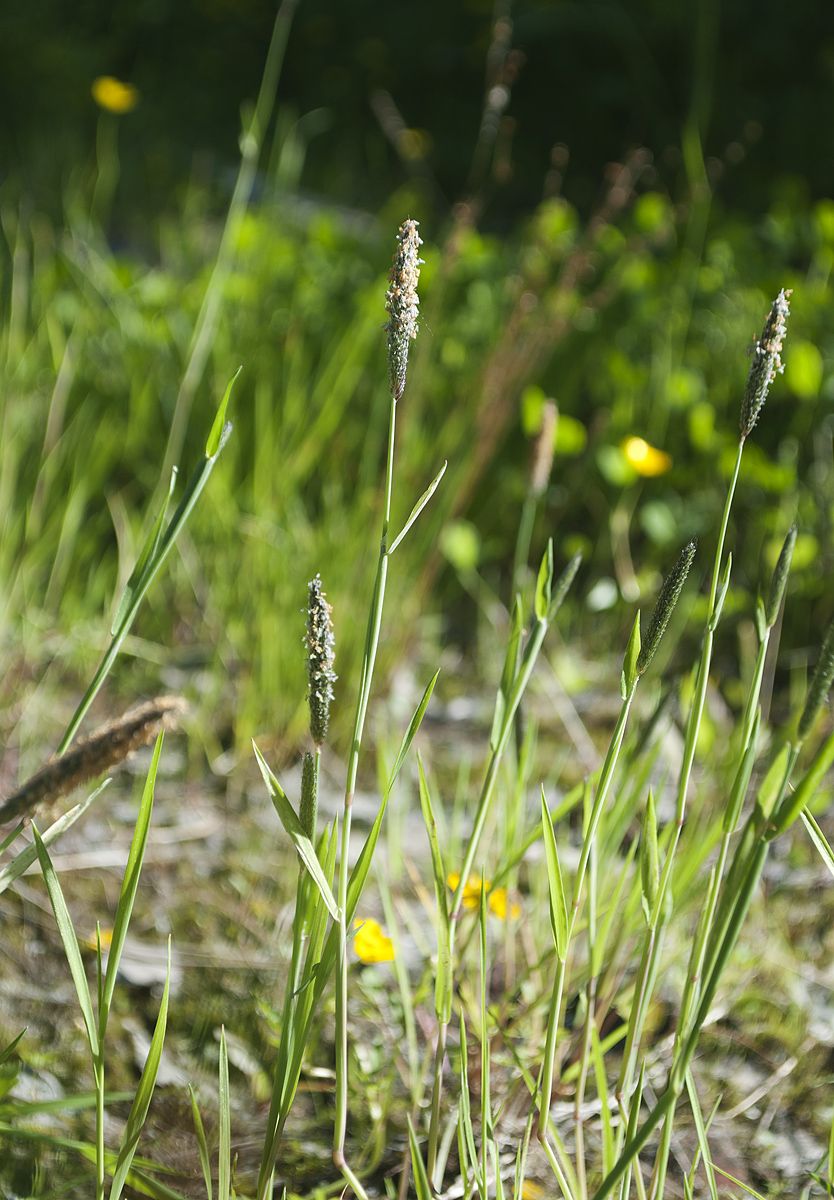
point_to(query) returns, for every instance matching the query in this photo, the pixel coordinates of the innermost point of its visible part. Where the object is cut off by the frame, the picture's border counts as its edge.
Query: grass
(543, 915)
(581, 925)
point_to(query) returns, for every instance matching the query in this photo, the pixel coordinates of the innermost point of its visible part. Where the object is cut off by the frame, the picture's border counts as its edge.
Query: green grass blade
(418, 508)
(414, 724)
(9, 1050)
(558, 904)
(142, 1099)
(295, 831)
(68, 940)
(146, 557)
(421, 1179)
(702, 1136)
(202, 1144)
(508, 675)
(23, 861)
(443, 979)
(130, 883)
(216, 435)
(224, 1165)
(820, 841)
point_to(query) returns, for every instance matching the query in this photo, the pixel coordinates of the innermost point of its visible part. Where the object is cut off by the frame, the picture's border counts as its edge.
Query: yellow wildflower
(117, 97)
(372, 946)
(498, 904)
(645, 459)
(90, 940)
(472, 891)
(532, 1191)
(472, 895)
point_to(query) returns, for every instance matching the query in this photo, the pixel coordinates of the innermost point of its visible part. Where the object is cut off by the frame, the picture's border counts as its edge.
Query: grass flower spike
(321, 648)
(766, 364)
(665, 605)
(402, 304)
(819, 686)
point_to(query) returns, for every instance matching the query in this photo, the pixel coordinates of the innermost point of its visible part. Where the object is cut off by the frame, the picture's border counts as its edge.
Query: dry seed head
(402, 304)
(665, 605)
(321, 646)
(819, 687)
(766, 364)
(309, 796)
(542, 461)
(91, 757)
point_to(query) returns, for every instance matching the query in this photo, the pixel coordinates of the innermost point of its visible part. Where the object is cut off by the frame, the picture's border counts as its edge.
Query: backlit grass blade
(141, 1102)
(23, 861)
(443, 981)
(143, 562)
(421, 1179)
(163, 546)
(224, 1165)
(819, 839)
(202, 1145)
(130, 883)
(509, 674)
(9, 1050)
(556, 890)
(295, 831)
(68, 940)
(417, 509)
(702, 1135)
(408, 737)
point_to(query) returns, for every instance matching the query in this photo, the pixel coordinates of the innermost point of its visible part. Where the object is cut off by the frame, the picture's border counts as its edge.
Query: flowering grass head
(402, 303)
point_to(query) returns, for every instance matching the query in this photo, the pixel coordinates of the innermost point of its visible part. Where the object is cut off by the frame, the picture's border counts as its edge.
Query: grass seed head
(780, 578)
(321, 648)
(309, 796)
(819, 687)
(766, 364)
(665, 605)
(402, 303)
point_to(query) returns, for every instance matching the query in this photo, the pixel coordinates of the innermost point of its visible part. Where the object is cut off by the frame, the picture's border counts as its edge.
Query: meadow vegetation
(564, 907)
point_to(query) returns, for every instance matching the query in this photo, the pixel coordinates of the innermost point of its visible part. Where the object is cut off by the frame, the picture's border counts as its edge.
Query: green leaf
(558, 907)
(793, 805)
(761, 619)
(629, 674)
(702, 1135)
(9, 1050)
(443, 980)
(147, 555)
(68, 940)
(295, 830)
(418, 508)
(224, 1163)
(23, 861)
(509, 675)
(817, 837)
(544, 584)
(130, 883)
(649, 862)
(413, 725)
(421, 1179)
(742, 779)
(563, 584)
(202, 1144)
(722, 595)
(216, 435)
(141, 1102)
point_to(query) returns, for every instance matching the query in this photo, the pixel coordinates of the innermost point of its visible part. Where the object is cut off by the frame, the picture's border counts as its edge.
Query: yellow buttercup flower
(117, 97)
(472, 895)
(372, 946)
(645, 459)
(472, 891)
(106, 938)
(498, 904)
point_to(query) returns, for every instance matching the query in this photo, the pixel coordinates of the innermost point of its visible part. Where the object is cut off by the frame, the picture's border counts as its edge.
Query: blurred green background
(610, 196)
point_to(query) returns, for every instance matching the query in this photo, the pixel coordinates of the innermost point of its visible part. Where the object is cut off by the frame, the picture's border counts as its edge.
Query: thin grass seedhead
(321, 646)
(819, 687)
(542, 460)
(309, 796)
(402, 303)
(766, 364)
(665, 605)
(780, 578)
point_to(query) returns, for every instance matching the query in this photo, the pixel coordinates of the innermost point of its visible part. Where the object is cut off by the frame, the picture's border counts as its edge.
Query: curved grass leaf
(418, 508)
(21, 863)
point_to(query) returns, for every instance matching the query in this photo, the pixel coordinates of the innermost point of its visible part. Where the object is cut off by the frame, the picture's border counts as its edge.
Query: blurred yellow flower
(532, 1191)
(115, 96)
(106, 938)
(645, 459)
(372, 946)
(498, 904)
(472, 895)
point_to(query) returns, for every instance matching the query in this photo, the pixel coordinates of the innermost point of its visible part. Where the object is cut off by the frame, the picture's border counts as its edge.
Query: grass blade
(202, 1145)
(558, 905)
(224, 1165)
(21, 863)
(295, 831)
(141, 1102)
(418, 508)
(68, 940)
(421, 1179)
